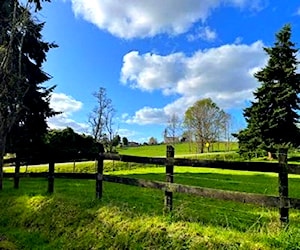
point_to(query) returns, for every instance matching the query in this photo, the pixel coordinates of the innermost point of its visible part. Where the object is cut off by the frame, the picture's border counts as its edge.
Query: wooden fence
(282, 201)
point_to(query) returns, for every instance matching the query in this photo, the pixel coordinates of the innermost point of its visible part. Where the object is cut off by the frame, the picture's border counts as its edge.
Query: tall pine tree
(272, 118)
(23, 102)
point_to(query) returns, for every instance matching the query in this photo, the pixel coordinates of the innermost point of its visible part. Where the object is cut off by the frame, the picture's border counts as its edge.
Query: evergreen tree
(272, 118)
(26, 137)
(22, 53)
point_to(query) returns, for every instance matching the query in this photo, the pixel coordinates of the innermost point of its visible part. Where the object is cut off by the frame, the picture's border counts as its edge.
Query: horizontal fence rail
(230, 165)
(283, 202)
(259, 199)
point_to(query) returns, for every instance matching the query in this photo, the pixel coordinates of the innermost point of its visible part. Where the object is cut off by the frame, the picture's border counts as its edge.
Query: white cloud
(147, 18)
(123, 132)
(67, 105)
(63, 103)
(224, 74)
(151, 71)
(238, 40)
(61, 122)
(254, 5)
(124, 116)
(204, 33)
(298, 12)
(148, 115)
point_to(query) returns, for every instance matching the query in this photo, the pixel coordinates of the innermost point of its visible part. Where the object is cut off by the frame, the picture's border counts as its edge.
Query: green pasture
(180, 149)
(132, 218)
(78, 167)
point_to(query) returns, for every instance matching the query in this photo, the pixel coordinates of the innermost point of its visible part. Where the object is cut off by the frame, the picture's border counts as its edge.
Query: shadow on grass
(295, 158)
(254, 183)
(135, 202)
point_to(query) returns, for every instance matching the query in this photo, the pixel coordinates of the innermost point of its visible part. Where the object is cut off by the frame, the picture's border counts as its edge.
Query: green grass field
(180, 149)
(131, 218)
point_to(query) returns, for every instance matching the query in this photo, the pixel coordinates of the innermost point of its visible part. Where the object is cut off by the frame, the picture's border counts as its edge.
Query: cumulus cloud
(148, 115)
(61, 102)
(126, 132)
(61, 122)
(147, 18)
(224, 74)
(204, 33)
(151, 71)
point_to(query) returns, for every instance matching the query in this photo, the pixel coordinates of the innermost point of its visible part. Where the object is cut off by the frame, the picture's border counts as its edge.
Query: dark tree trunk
(2, 152)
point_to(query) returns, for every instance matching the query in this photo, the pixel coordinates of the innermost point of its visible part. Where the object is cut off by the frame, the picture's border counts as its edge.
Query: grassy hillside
(180, 149)
(131, 217)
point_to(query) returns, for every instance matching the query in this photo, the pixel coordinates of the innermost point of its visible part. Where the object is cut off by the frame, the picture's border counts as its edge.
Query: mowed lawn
(132, 218)
(180, 149)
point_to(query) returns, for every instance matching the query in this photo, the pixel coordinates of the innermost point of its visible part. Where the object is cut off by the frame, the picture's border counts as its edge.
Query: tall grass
(132, 218)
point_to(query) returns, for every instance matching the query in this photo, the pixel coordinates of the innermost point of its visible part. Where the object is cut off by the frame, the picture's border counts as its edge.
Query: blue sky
(156, 58)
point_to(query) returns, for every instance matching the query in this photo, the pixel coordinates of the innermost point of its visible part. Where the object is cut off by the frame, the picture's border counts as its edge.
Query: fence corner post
(283, 185)
(17, 173)
(99, 174)
(51, 177)
(169, 178)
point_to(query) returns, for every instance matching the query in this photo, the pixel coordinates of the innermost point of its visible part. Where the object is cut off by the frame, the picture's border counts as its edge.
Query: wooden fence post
(169, 178)
(51, 177)
(17, 174)
(283, 186)
(99, 174)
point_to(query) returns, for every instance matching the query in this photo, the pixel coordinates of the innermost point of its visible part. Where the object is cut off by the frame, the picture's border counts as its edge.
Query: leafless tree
(110, 131)
(227, 127)
(171, 133)
(98, 118)
(188, 134)
(152, 141)
(101, 119)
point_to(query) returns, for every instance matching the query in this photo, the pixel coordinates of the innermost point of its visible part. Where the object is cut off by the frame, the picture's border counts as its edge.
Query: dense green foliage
(24, 104)
(132, 218)
(22, 96)
(65, 145)
(60, 146)
(26, 136)
(272, 118)
(125, 141)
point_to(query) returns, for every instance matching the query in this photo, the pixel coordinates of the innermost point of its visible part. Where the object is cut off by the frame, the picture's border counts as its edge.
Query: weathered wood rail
(282, 201)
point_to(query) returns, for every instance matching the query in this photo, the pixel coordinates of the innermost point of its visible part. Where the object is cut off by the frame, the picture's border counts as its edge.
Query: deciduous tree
(152, 141)
(171, 132)
(67, 145)
(125, 141)
(101, 114)
(101, 119)
(206, 120)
